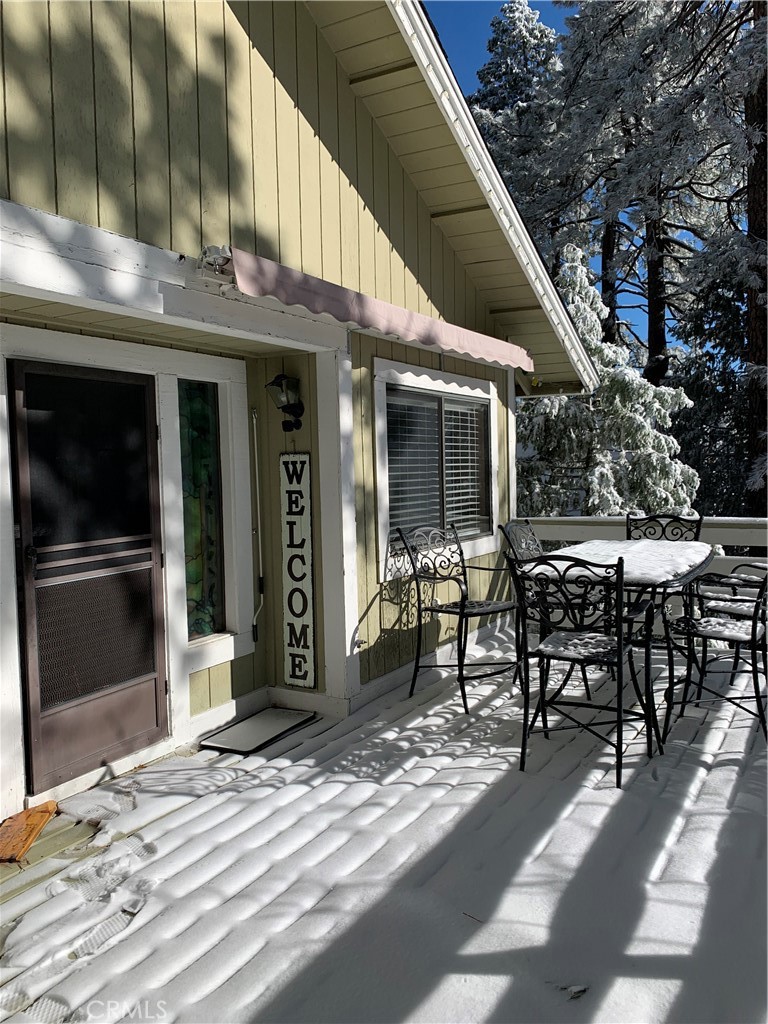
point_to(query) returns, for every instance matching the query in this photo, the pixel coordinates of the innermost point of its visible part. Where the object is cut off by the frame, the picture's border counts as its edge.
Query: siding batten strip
(184, 128)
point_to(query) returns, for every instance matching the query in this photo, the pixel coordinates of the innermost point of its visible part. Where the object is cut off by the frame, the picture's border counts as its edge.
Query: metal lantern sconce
(284, 392)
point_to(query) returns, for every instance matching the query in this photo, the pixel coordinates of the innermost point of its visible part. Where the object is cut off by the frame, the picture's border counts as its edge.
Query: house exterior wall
(184, 113)
(185, 124)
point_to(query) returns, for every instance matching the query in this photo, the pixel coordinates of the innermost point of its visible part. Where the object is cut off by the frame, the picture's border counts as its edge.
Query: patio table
(655, 565)
(652, 567)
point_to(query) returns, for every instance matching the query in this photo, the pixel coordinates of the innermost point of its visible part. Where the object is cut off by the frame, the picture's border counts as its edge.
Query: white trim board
(51, 258)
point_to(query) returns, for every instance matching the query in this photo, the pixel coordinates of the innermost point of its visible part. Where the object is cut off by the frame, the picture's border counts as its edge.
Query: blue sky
(464, 30)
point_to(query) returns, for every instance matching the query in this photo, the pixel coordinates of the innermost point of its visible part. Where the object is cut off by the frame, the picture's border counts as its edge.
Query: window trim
(236, 638)
(403, 375)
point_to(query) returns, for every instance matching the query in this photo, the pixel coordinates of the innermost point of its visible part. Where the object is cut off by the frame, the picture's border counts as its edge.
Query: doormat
(258, 731)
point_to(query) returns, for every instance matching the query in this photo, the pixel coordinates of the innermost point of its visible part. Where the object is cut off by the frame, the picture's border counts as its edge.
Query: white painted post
(11, 720)
(336, 491)
(512, 443)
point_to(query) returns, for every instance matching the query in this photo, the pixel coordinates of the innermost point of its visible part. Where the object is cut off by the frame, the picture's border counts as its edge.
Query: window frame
(419, 379)
(219, 494)
(236, 638)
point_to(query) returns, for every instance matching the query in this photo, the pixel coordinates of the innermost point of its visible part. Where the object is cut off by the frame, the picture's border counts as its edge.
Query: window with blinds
(438, 453)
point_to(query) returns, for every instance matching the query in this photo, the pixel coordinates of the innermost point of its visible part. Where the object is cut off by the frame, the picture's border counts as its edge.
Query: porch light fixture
(284, 392)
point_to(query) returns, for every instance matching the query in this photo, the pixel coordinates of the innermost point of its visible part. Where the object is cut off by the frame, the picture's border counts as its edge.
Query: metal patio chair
(579, 610)
(731, 607)
(437, 563)
(523, 543)
(521, 539)
(663, 526)
(730, 592)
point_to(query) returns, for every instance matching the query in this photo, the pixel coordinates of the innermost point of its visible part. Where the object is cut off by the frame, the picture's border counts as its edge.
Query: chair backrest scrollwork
(663, 527)
(559, 593)
(521, 538)
(435, 554)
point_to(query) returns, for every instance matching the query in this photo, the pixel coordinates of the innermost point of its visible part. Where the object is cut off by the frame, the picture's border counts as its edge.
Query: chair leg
(650, 703)
(518, 673)
(619, 721)
(543, 678)
(690, 662)
(735, 665)
(585, 680)
(758, 695)
(463, 634)
(670, 660)
(703, 668)
(526, 684)
(418, 654)
(669, 693)
(652, 719)
(669, 696)
(645, 699)
(639, 694)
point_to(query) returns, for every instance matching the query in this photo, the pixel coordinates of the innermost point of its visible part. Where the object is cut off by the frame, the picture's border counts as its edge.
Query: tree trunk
(608, 293)
(755, 116)
(657, 364)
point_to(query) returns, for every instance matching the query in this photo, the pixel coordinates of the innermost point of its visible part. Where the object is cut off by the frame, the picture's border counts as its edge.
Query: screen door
(89, 566)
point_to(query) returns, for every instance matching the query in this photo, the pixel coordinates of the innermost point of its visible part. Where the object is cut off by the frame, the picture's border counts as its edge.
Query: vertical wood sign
(298, 606)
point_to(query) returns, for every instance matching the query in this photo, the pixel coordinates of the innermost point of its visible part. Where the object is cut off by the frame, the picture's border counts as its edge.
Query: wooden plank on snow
(18, 832)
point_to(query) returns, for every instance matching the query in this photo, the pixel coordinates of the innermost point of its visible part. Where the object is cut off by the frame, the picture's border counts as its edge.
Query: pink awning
(260, 278)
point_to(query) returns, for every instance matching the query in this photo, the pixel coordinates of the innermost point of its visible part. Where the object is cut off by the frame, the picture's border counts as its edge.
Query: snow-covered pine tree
(518, 109)
(642, 139)
(608, 453)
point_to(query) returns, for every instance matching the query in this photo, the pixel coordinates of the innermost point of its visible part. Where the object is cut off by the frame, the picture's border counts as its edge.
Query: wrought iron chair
(732, 608)
(663, 527)
(730, 592)
(579, 609)
(523, 543)
(437, 560)
(521, 539)
(732, 595)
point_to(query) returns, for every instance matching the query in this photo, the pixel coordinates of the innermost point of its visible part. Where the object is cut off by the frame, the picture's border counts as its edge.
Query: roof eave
(428, 55)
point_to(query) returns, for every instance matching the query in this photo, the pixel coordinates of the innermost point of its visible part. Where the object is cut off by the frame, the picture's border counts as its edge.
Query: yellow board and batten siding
(214, 122)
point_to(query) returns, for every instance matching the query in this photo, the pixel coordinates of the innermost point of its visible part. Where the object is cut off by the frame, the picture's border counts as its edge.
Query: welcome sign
(298, 598)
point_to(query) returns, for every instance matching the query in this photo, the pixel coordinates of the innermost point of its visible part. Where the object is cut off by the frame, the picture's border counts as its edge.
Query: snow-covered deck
(397, 867)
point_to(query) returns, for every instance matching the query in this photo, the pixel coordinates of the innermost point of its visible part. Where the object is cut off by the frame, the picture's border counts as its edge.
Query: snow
(397, 866)
(646, 562)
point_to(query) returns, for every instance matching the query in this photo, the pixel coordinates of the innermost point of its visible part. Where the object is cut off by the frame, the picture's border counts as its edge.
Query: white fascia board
(57, 260)
(437, 73)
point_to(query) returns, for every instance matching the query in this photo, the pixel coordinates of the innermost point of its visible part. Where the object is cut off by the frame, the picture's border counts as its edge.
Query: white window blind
(465, 426)
(413, 449)
(438, 450)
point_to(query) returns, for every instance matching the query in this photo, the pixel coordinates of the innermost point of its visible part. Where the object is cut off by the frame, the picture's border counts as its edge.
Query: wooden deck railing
(750, 534)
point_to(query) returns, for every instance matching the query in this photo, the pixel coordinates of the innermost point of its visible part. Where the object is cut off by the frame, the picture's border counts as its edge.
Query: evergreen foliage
(602, 454)
(640, 137)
